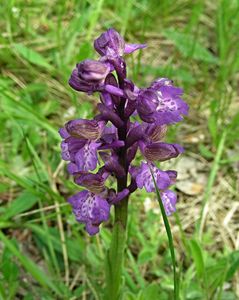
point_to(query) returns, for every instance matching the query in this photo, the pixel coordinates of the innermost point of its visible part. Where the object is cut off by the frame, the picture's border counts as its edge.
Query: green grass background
(44, 253)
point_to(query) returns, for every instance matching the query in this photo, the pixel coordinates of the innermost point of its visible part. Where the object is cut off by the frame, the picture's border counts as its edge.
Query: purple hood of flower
(101, 150)
(112, 43)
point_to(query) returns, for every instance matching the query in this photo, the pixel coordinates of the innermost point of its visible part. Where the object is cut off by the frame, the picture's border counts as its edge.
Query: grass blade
(30, 266)
(170, 241)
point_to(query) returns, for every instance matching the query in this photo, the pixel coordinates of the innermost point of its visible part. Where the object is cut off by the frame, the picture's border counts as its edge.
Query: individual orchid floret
(90, 209)
(143, 178)
(80, 144)
(161, 106)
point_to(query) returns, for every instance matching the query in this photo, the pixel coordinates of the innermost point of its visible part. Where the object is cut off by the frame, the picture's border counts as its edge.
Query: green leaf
(145, 256)
(22, 203)
(9, 269)
(170, 240)
(32, 56)
(197, 257)
(205, 151)
(152, 291)
(74, 247)
(30, 266)
(213, 128)
(215, 275)
(21, 110)
(189, 47)
(234, 265)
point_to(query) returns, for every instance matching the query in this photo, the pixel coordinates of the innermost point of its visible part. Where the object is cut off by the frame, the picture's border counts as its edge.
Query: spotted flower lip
(86, 158)
(70, 146)
(169, 199)
(90, 209)
(128, 119)
(143, 177)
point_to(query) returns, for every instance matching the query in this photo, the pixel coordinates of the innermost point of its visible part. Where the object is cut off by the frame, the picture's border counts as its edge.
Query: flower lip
(169, 199)
(144, 178)
(90, 209)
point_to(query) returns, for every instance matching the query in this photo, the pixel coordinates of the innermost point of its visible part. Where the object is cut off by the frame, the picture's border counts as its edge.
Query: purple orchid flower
(107, 145)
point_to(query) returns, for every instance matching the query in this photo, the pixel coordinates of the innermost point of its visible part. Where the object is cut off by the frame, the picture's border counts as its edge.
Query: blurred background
(44, 253)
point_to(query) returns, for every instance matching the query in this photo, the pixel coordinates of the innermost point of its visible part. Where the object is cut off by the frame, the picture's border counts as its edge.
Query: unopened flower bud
(88, 76)
(93, 70)
(110, 43)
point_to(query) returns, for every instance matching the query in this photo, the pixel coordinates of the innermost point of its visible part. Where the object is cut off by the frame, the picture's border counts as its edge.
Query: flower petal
(169, 199)
(129, 48)
(144, 178)
(90, 209)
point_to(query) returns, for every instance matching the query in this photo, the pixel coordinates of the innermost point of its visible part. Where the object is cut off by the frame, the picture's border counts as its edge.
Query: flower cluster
(129, 119)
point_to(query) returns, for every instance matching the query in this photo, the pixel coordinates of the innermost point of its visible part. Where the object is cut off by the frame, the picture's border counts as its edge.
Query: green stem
(115, 255)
